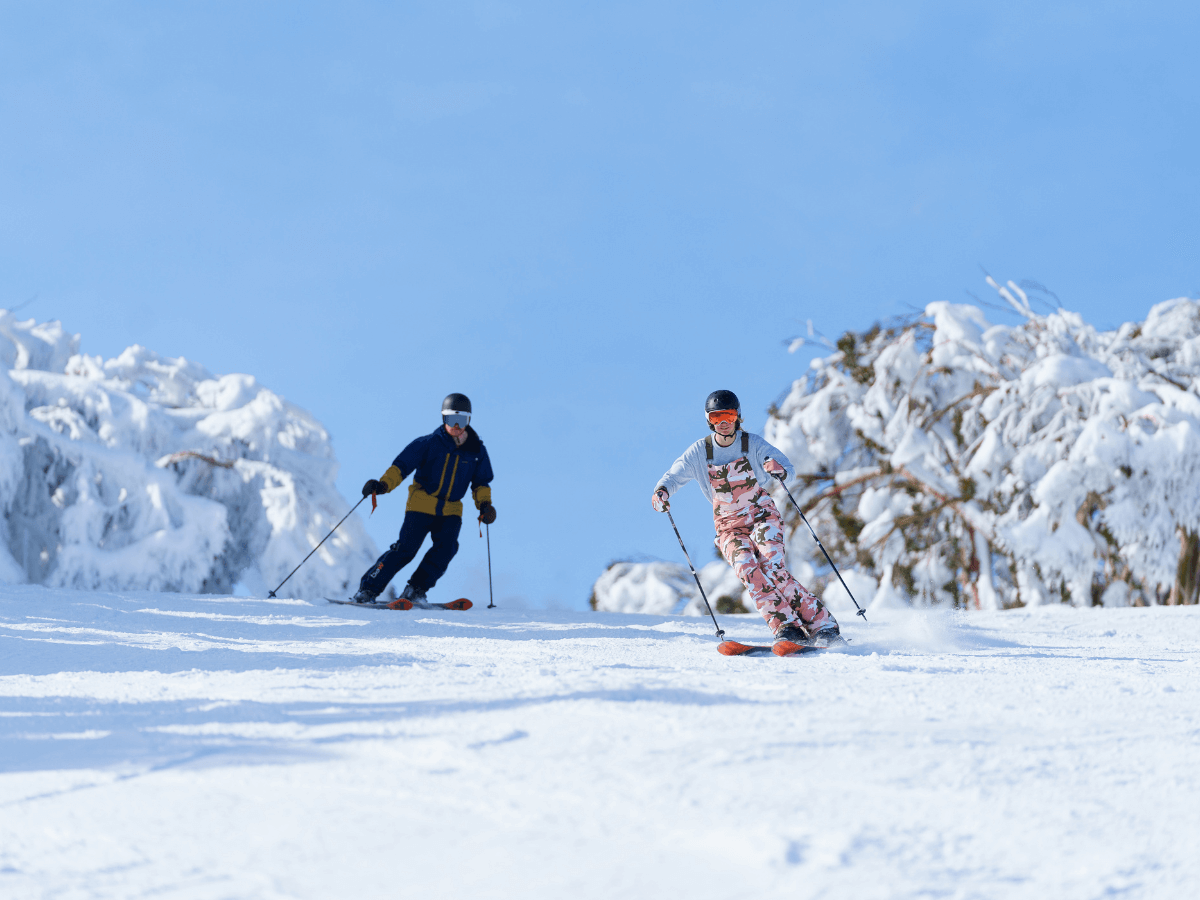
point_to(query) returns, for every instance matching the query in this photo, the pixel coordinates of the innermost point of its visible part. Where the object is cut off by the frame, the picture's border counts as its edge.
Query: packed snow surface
(182, 746)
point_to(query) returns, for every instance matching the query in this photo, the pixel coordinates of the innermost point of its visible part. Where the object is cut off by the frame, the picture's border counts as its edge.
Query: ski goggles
(456, 419)
(722, 415)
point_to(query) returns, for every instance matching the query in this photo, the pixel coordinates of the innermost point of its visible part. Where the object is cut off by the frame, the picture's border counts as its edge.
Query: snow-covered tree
(663, 588)
(946, 460)
(954, 461)
(148, 473)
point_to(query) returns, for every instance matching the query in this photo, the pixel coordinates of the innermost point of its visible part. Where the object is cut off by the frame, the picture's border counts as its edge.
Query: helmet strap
(736, 428)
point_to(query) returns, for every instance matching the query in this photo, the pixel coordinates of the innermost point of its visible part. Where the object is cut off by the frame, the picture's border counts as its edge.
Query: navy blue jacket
(442, 471)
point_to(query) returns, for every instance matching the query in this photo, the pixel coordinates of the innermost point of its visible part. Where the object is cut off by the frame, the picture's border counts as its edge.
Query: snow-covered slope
(175, 746)
(141, 472)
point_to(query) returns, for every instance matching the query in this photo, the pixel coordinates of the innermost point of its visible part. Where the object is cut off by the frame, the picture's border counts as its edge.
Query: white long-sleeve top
(693, 464)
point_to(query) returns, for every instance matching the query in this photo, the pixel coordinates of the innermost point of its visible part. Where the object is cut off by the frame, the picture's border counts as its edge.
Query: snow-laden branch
(997, 465)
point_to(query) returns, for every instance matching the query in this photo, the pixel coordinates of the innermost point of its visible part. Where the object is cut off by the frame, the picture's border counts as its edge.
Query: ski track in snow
(182, 746)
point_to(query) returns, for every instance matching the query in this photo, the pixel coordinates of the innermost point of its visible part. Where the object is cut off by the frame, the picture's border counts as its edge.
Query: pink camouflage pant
(750, 537)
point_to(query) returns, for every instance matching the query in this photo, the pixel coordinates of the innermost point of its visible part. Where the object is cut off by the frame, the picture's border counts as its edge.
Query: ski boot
(415, 596)
(794, 632)
(791, 638)
(364, 596)
(829, 636)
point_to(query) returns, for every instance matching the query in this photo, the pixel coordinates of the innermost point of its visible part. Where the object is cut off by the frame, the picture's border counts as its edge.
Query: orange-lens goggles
(722, 415)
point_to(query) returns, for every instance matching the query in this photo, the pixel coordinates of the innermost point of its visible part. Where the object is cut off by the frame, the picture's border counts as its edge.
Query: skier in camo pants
(731, 466)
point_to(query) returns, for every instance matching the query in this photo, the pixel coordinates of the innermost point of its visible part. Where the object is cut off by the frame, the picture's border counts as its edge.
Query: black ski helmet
(719, 400)
(456, 403)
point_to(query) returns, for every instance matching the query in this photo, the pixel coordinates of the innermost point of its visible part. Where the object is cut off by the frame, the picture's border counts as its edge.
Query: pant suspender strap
(708, 447)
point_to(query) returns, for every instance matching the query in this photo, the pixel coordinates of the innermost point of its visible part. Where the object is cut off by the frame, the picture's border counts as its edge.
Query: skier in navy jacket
(444, 465)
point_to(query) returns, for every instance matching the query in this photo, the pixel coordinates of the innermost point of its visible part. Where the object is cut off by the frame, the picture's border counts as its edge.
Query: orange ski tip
(460, 603)
(400, 603)
(732, 648)
(786, 648)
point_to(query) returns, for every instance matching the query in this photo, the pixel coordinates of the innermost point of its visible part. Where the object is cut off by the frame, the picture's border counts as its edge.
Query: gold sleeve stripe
(482, 495)
(392, 478)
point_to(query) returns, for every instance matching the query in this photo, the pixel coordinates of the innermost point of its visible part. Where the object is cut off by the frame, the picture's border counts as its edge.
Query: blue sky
(584, 217)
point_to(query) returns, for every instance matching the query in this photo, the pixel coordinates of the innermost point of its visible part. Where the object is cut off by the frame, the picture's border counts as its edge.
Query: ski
(402, 604)
(460, 603)
(779, 648)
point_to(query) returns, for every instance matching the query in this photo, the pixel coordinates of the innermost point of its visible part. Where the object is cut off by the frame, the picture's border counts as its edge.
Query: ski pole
(720, 633)
(318, 547)
(491, 601)
(861, 612)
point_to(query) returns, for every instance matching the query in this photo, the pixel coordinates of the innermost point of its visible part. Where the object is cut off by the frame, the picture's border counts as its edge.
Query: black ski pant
(444, 531)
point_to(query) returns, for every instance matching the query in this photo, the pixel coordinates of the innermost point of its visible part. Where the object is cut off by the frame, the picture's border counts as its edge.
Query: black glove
(487, 513)
(375, 487)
